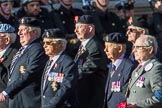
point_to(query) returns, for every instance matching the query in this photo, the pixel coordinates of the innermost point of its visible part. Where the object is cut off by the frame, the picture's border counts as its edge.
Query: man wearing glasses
(60, 73)
(134, 31)
(145, 86)
(23, 89)
(7, 51)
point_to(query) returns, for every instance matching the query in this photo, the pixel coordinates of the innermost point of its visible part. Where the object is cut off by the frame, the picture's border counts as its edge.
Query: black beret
(86, 19)
(127, 5)
(53, 34)
(29, 21)
(2, 1)
(25, 2)
(115, 38)
(157, 0)
(140, 22)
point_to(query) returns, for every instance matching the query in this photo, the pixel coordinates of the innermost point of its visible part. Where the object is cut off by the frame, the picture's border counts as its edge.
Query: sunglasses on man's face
(132, 30)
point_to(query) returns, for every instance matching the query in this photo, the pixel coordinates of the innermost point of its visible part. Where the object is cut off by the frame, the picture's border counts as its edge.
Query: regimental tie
(113, 70)
(15, 58)
(46, 72)
(80, 51)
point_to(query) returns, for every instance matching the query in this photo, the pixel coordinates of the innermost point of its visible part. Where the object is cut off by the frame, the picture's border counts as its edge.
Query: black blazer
(62, 95)
(24, 82)
(92, 75)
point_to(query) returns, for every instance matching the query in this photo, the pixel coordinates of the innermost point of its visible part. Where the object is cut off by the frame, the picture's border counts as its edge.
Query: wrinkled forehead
(140, 41)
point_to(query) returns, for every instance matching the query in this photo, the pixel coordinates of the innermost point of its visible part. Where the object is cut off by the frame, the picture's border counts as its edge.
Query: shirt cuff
(4, 93)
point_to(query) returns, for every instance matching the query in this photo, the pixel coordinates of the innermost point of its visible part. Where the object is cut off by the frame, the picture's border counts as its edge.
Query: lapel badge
(54, 85)
(1, 60)
(148, 67)
(22, 69)
(119, 75)
(55, 66)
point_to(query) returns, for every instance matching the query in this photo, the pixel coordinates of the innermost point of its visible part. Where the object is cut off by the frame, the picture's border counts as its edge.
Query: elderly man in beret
(91, 62)
(145, 86)
(60, 73)
(135, 29)
(7, 51)
(120, 70)
(23, 89)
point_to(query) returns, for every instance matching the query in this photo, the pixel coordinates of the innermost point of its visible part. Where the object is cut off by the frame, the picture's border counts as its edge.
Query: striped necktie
(15, 58)
(113, 70)
(80, 51)
(46, 71)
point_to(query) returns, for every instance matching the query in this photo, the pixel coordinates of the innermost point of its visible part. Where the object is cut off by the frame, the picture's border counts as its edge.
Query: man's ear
(151, 50)
(8, 40)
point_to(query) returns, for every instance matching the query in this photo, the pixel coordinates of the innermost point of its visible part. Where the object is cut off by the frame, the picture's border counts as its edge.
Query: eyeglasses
(49, 42)
(132, 30)
(138, 47)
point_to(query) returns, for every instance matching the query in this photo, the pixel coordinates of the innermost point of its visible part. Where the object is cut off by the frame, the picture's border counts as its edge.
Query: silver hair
(150, 41)
(64, 43)
(37, 29)
(12, 36)
(124, 47)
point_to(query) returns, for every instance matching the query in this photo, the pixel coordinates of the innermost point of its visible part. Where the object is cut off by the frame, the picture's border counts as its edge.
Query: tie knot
(50, 61)
(113, 67)
(139, 66)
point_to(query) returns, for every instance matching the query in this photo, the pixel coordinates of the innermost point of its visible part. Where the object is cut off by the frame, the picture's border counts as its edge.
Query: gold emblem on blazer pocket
(22, 69)
(54, 85)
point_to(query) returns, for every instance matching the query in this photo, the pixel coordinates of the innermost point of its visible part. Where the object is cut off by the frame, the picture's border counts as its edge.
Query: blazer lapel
(117, 76)
(54, 68)
(139, 72)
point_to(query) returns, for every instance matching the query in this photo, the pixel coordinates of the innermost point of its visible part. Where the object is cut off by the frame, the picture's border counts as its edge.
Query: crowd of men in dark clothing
(79, 58)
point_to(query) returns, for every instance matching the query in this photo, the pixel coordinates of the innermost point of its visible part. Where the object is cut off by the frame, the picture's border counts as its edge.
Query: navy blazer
(4, 67)
(23, 88)
(122, 75)
(59, 95)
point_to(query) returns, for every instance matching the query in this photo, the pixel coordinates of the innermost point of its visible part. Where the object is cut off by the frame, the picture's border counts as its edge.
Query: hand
(2, 97)
(131, 105)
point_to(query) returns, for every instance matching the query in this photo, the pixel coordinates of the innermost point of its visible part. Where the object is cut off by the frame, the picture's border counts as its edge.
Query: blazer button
(9, 79)
(44, 96)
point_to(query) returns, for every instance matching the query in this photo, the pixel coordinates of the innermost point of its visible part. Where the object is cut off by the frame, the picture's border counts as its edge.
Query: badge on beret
(22, 69)
(148, 67)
